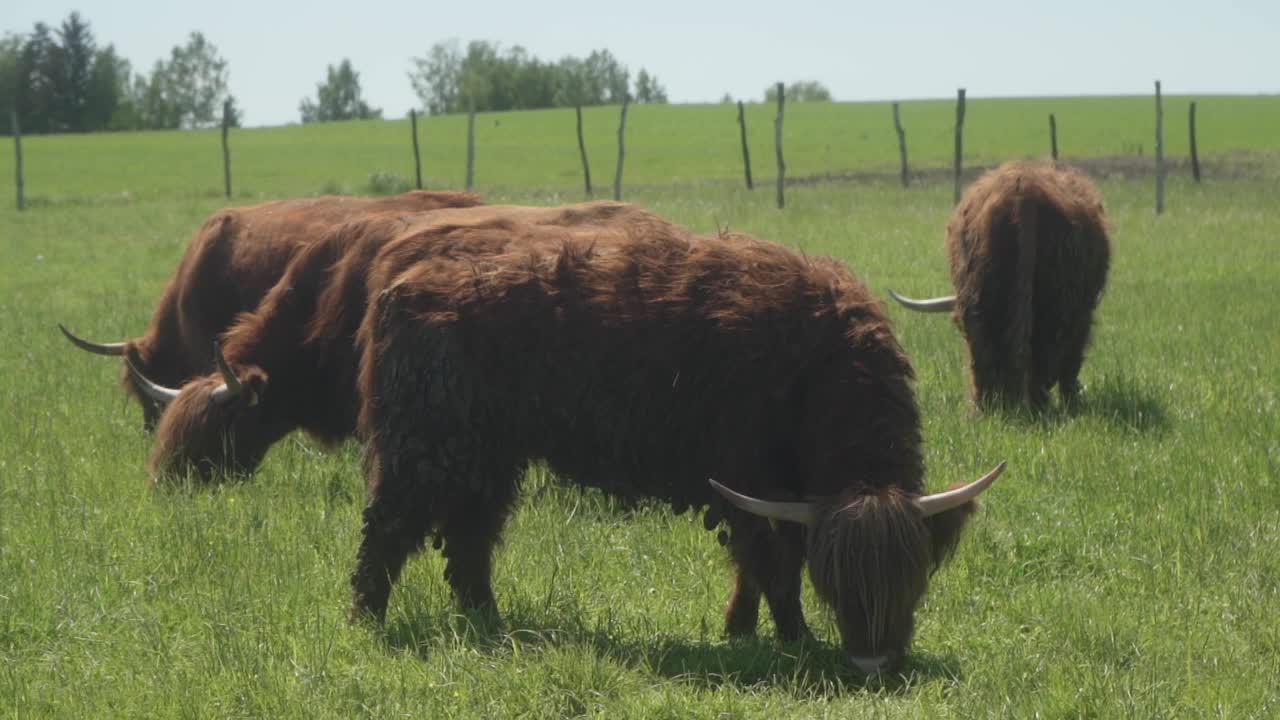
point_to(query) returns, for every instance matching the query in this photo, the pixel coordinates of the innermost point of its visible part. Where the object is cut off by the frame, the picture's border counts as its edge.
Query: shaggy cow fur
(295, 353)
(1029, 252)
(230, 263)
(642, 360)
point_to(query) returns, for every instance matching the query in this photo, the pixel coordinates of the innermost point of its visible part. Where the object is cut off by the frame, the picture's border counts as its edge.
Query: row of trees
(447, 79)
(802, 91)
(487, 78)
(59, 80)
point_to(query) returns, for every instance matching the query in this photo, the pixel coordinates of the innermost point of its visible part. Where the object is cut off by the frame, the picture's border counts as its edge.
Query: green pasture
(1126, 565)
(665, 145)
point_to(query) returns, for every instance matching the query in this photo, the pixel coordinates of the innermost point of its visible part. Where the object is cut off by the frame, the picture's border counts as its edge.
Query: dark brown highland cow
(291, 363)
(642, 360)
(230, 263)
(1029, 253)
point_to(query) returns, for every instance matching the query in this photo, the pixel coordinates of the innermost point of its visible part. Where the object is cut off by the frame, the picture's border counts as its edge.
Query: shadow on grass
(810, 668)
(1116, 399)
(1125, 403)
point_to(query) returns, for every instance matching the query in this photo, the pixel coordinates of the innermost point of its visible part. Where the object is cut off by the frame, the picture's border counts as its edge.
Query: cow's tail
(1022, 304)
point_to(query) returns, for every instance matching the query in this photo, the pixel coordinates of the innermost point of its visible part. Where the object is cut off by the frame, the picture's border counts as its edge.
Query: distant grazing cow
(230, 263)
(1029, 254)
(291, 363)
(640, 359)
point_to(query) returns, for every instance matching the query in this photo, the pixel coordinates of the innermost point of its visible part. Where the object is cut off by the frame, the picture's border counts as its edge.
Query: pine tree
(34, 93)
(71, 74)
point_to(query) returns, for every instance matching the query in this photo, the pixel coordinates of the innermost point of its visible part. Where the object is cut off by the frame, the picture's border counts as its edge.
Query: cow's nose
(869, 665)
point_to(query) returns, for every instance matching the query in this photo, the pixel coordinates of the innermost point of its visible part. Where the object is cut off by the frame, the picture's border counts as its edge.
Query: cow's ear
(255, 384)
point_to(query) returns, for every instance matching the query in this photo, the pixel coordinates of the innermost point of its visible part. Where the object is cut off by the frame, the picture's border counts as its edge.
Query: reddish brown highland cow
(642, 360)
(1029, 252)
(291, 363)
(230, 263)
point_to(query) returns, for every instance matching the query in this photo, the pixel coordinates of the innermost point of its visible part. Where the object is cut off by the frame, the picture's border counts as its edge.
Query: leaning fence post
(1159, 151)
(622, 130)
(1195, 156)
(471, 142)
(746, 152)
(226, 148)
(959, 140)
(17, 155)
(777, 142)
(582, 150)
(417, 159)
(902, 143)
(1053, 136)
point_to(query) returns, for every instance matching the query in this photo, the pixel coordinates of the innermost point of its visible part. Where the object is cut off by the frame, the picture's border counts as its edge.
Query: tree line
(485, 77)
(60, 80)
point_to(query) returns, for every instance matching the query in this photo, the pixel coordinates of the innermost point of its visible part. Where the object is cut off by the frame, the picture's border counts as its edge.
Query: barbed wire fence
(741, 136)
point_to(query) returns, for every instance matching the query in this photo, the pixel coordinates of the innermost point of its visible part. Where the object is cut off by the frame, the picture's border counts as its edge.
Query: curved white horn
(115, 348)
(944, 501)
(796, 512)
(159, 393)
(231, 386)
(938, 304)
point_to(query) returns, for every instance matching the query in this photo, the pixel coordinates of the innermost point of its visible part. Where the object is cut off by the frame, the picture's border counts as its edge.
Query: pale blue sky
(278, 51)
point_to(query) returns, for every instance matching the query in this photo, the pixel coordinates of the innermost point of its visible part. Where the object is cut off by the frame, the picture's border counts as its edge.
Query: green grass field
(1126, 565)
(666, 145)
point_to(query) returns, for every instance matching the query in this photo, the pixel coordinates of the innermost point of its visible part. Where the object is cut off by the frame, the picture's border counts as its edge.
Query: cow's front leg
(770, 561)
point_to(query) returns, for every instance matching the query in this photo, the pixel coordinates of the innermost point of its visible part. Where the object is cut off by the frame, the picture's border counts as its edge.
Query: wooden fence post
(959, 140)
(1195, 156)
(417, 159)
(1053, 136)
(17, 155)
(582, 150)
(226, 148)
(902, 143)
(746, 152)
(1159, 151)
(471, 142)
(777, 142)
(622, 131)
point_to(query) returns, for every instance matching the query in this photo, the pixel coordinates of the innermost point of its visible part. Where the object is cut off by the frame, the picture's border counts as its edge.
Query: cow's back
(237, 255)
(633, 353)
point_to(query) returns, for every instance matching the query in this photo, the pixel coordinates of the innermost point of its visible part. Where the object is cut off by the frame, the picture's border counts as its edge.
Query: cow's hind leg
(997, 365)
(1044, 366)
(1069, 370)
(1049, 343)
(401, 514)
(770, 561)
(470, 528)
(396, 522)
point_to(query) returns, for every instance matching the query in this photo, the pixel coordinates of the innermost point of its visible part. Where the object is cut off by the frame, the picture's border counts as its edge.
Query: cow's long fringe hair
(872, 558)
(869, 559)
(194, 435)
